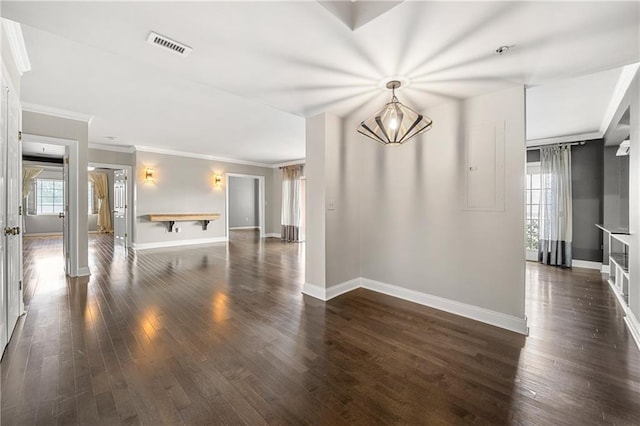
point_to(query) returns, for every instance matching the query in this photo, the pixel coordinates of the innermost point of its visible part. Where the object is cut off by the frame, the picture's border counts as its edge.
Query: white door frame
(260, 200)
(128, 169)
(71, 147)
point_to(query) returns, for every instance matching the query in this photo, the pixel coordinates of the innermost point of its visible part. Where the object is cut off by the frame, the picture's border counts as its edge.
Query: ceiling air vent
(166, 43)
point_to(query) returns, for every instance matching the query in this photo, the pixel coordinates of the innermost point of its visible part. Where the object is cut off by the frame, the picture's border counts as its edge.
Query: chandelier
(395, 123)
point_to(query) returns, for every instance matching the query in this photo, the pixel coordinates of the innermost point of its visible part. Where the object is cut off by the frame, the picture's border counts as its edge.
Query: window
(49, 196)
(532, 208)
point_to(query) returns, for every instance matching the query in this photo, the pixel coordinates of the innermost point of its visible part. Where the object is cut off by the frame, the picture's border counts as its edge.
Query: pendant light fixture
(395, 123)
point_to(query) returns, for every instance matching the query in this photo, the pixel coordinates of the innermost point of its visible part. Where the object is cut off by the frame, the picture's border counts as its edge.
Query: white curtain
(101, 188)
(28, 175)
(291, 218)
(556, 227)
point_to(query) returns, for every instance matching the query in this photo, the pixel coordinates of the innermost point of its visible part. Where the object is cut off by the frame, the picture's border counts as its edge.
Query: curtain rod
(531, 148)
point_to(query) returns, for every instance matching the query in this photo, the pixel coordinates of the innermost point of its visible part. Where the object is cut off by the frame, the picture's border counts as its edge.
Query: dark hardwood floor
(222, 335)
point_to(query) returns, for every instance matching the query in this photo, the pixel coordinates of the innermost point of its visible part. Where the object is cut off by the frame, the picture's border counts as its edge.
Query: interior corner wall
(415, 230)
(342, 177)
(183, 185)
(315, 253)
(47, 125)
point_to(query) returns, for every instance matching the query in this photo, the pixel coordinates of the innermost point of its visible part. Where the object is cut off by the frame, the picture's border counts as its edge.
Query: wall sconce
(217, 181)
(148, 175)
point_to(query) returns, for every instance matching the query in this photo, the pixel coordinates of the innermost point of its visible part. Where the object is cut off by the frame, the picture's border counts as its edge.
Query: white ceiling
(575, 106)
(258, 68)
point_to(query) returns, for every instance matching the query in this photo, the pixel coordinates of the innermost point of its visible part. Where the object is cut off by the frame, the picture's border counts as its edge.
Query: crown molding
(624, 81)
(130, 149)
(56, 112)
(289, 163)
(564, 139)
(201, 156)
(13, 30)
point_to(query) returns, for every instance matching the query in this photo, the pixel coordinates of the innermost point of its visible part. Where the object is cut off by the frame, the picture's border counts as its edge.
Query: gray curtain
(291, 217)
(556, 210)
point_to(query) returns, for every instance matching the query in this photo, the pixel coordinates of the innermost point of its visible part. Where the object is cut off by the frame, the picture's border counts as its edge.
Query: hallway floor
(220, 334)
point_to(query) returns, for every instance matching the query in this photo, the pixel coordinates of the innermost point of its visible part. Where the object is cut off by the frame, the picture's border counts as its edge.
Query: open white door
(64, 215)
(120, 208)
(5, 231)
(13, 234)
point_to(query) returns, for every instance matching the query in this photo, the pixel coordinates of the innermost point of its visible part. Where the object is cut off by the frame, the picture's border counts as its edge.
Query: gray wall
(587, 182)
(243, 202)
(184, 185)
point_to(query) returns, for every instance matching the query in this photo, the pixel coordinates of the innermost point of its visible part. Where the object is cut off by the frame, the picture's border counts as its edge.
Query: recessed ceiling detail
(167, 43)
(354, 13)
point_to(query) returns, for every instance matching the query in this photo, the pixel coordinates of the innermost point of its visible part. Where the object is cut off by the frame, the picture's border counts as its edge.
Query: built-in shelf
(619, 247)
(172, 218)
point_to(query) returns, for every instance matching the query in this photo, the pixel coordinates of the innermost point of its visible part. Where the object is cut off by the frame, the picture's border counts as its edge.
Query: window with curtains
(47, 197)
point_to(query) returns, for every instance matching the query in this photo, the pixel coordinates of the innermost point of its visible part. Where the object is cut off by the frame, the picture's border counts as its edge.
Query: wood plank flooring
(220, 334)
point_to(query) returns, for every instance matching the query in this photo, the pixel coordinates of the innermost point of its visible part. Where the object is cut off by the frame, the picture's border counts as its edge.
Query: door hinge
(66, 160)
(125, 206)
(19, 210)
(19, 136)
(67, 255)
(20, 285)
(125, 235)
(126, 178)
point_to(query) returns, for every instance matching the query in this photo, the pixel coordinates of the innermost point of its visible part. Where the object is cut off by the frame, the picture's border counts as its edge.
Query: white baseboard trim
(272, 235)
(498, 319)
(606, 269)
(43, 234)
(634, 327)
(243, 227)
(618, 296)
(586, 264)
(342, 288)
(315, 291)
(162, 244)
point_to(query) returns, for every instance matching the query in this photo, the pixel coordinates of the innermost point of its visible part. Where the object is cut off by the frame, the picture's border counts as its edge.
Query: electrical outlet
(331, 205)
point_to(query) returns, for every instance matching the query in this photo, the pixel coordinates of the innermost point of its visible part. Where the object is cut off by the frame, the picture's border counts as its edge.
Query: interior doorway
(110, 212)
(57, 197)
(245, 203)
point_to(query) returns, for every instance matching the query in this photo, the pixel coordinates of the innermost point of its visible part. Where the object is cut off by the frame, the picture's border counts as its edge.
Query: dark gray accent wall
(587, 180)
(243, 202)
(616, 192)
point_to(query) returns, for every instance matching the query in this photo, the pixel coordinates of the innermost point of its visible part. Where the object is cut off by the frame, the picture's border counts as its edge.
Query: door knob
(61, 215)
(8, 231)
(15, 231)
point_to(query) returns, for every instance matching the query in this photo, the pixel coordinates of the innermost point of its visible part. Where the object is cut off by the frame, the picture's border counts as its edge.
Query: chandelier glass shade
(396, 123)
